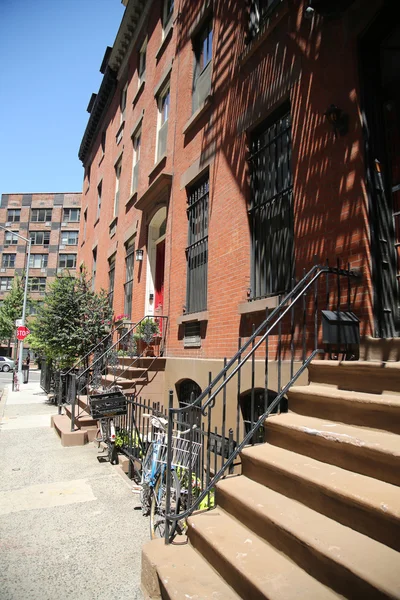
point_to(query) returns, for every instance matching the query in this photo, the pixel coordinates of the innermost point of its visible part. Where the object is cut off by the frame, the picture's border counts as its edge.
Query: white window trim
(142, 51)
(162, 94)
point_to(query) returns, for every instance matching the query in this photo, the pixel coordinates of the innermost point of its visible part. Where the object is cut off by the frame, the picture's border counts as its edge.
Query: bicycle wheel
(158, 504)
(144, 481)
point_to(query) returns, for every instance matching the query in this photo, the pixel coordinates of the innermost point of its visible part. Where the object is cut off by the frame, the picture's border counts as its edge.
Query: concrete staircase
(85, 427)
(316, 510)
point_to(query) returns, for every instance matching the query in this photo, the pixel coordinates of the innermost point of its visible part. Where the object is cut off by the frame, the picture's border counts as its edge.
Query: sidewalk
(70, 528)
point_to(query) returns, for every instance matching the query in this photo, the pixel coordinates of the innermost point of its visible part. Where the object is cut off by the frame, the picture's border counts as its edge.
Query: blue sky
(50, 55)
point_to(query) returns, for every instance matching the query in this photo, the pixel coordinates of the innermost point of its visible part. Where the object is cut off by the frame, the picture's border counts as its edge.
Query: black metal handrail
(77, 382)
(206, 401)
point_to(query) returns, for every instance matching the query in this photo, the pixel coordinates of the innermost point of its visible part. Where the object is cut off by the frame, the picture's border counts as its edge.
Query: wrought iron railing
(103, 365)
(291, 336)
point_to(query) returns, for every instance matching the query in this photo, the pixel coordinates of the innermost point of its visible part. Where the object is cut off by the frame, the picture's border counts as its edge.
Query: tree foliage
(73, 319)
(11, 310)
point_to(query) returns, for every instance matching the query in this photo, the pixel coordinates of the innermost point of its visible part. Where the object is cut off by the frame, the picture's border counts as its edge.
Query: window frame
(8, 283)
(35, 214)
(10, 238)
(129, 276)
(41, 284)
(44, 259)
(67, 211)
(68, 233)
(33, 237)
(136, 146)
(197, 247)
(6, 259)
(13, 220)
(163, 117)
(99, 199)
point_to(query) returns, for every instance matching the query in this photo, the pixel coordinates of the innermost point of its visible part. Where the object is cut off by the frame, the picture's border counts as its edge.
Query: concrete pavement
(70, 526)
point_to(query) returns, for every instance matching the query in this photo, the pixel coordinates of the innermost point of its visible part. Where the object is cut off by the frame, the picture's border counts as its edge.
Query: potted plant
(146, 332)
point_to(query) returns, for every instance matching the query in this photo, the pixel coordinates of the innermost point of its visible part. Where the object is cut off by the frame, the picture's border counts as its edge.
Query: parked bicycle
(104, 407)
(153, 485)
(106, 435)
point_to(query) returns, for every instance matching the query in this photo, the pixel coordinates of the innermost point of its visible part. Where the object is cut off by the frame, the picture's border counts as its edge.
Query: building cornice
(110, 66)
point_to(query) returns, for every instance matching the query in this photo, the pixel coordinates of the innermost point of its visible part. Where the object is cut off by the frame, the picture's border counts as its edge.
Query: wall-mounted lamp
(139, 254)
(338, 119)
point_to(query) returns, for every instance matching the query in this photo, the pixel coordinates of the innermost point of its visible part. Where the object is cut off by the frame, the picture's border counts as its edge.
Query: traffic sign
(22, 332)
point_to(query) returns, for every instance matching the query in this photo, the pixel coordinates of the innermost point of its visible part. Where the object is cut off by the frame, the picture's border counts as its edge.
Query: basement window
(192, 338)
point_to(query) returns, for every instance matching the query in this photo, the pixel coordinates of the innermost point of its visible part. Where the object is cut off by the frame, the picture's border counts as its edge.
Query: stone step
(83, 421)
(368, 451)
(123, 382)
(178, 572)
(128, 372)
(343, 559)
(371, 507)
(380, 411)
(62, 425)
(363, 376)
(253, 568)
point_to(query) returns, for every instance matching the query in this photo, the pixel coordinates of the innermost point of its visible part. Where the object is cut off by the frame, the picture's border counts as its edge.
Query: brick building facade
(52, 223)
(235, 144)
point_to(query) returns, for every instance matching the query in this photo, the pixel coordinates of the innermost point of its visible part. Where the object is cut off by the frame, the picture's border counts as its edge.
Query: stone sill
(253, 306)
(196, 116)
(199, 316)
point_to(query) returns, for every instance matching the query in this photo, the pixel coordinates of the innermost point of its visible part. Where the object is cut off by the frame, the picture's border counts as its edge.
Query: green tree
(10, 310)
(72, 320)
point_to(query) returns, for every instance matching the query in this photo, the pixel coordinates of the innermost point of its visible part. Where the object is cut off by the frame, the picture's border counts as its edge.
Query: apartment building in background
(51, 222)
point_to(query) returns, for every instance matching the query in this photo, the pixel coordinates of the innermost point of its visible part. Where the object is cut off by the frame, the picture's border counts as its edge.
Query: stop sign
(22, 332)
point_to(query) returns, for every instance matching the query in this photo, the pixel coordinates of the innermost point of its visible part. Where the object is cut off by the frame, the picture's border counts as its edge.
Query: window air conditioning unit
(2, 270)
(8, 224)
(48, 224)
(63, 224)
(60, 269)
(62, 246)
(43, 270)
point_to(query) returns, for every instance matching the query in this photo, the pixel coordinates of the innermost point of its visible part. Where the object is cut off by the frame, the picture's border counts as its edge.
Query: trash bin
(25, 373)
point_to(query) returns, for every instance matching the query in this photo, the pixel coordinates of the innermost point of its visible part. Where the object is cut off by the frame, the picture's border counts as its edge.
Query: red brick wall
(314, 64)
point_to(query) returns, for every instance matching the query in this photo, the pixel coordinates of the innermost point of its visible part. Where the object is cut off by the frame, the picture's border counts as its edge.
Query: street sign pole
(21, 344)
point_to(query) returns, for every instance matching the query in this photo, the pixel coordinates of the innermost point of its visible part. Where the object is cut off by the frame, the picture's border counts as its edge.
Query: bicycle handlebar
(160, 422)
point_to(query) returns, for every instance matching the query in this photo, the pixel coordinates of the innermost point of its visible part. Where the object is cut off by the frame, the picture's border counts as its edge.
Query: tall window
(260, 10)
(129, 264)
(163, 115)
(168, 10)
(270, 213)
(67, 261)
(124, 94)
(197, 250)
(118, 169)
(99, 193)
(8, 261)
(84, 225)
(38, 261)
(94, 268)
(69, 238)
(111, 279)
(103, 141)
(10, 239)
(41, 215)
(39, 238)
(202, 48)
(136, 141)
(142, 63)
(72, 215)
(14, 215)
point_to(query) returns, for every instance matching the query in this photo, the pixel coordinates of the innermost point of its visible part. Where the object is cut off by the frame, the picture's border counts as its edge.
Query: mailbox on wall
(340, 328)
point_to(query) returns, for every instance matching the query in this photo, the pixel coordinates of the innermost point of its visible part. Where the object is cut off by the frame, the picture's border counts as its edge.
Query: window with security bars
(128, 286)
(197, 249)
(111, 279)
(271, 213)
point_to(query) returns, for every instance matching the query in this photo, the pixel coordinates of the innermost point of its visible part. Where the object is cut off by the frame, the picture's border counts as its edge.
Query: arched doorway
(156, 263)
(187, 391)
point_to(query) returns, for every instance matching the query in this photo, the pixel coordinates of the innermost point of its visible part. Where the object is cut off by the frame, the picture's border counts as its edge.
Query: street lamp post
(21, 344)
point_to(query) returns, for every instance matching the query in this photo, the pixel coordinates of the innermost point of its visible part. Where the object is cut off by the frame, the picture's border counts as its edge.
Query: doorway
(156, 264)
(380, 79)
